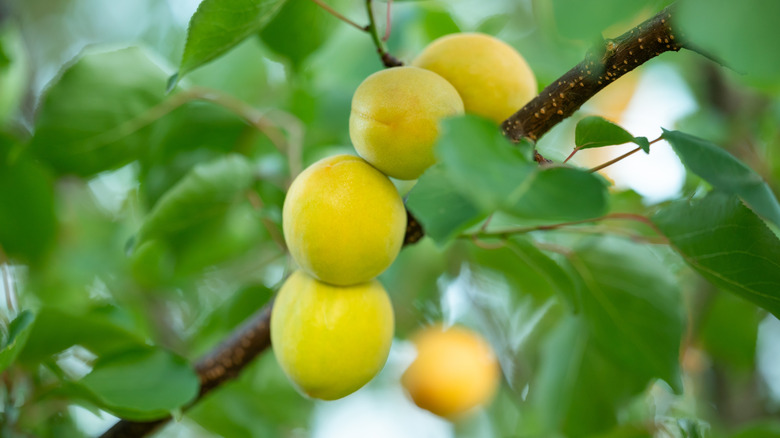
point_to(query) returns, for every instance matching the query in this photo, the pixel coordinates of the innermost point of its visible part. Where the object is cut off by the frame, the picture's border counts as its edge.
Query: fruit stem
(388, 60)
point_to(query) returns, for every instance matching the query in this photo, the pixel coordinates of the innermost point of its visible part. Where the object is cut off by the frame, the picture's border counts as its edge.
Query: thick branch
(555, 103)
(601, 66)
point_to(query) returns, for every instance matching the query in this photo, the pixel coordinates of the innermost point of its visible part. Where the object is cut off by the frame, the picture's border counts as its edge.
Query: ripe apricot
(343, 221)
(454, 372)
(493, 80)
(395, 116)
(330, 340)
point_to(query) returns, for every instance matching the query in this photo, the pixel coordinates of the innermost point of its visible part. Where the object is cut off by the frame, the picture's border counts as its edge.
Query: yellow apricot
(454, 372)
(330, 340)
(395, 117)
(491, 77)
(343, 220)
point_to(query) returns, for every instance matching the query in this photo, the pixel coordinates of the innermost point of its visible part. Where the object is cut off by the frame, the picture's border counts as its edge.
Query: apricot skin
(395, 117)
(329, 340)
(492, 78)
(343, 221)
(454, 372)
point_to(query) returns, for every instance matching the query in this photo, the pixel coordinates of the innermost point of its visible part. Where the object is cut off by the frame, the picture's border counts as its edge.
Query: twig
(505, 233)
(257, 204)
(388, 60)
(615, 160)
(336, 14)
(389, 23)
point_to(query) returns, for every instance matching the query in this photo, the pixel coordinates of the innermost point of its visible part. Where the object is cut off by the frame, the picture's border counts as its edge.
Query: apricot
(343, 220)
(454, 372)
(330, 340)
(493, 80)
(395, 117)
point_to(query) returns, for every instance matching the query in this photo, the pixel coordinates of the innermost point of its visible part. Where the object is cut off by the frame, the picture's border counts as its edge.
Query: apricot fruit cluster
(344, 223)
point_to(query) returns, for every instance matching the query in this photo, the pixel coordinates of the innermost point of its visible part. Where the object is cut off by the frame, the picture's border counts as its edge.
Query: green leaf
(750, 48)
(100, 330)
(578, 388)
(632, 306)
(529, 270)
(141, 384)
(28, 223)
(308, 22)
(587, 20)
(729, 330)
(442, 211)
(18, 332)
(725, 172)
(559, 193)
(89, 121)
(481, 163)
(727, 244)
(205, 192)
(219, 25)
(596, 132)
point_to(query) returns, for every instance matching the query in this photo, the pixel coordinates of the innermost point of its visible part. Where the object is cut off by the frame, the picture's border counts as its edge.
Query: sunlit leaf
(596, 132)
(725, 172)
(218, 26)
(727, 244)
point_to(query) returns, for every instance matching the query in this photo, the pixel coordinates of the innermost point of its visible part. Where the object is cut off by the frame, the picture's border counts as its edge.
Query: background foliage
(146, 146)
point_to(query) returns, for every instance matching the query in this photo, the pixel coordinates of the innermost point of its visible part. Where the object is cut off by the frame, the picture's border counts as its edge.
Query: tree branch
(555, 103)
(601, 66)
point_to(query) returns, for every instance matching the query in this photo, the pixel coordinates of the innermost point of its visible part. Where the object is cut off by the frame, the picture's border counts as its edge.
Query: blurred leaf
(88, 120)
(28, 223)
(577, 387)
(729, 330)
(727, 244)
(632, 306)
(596, 132)
(494, 24)
(765, 429)
(581, 20)
(412, 282)
(260, 403)
(141, 384)
(219, 322)
(437, 22)
(18, 331)
(97, 330)
(208, 190)
(559, 193)
(725, 173)
(300, 28)
(529, 270)
(442, 211)
(197, 132)
(744, 34)
(218, 26)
